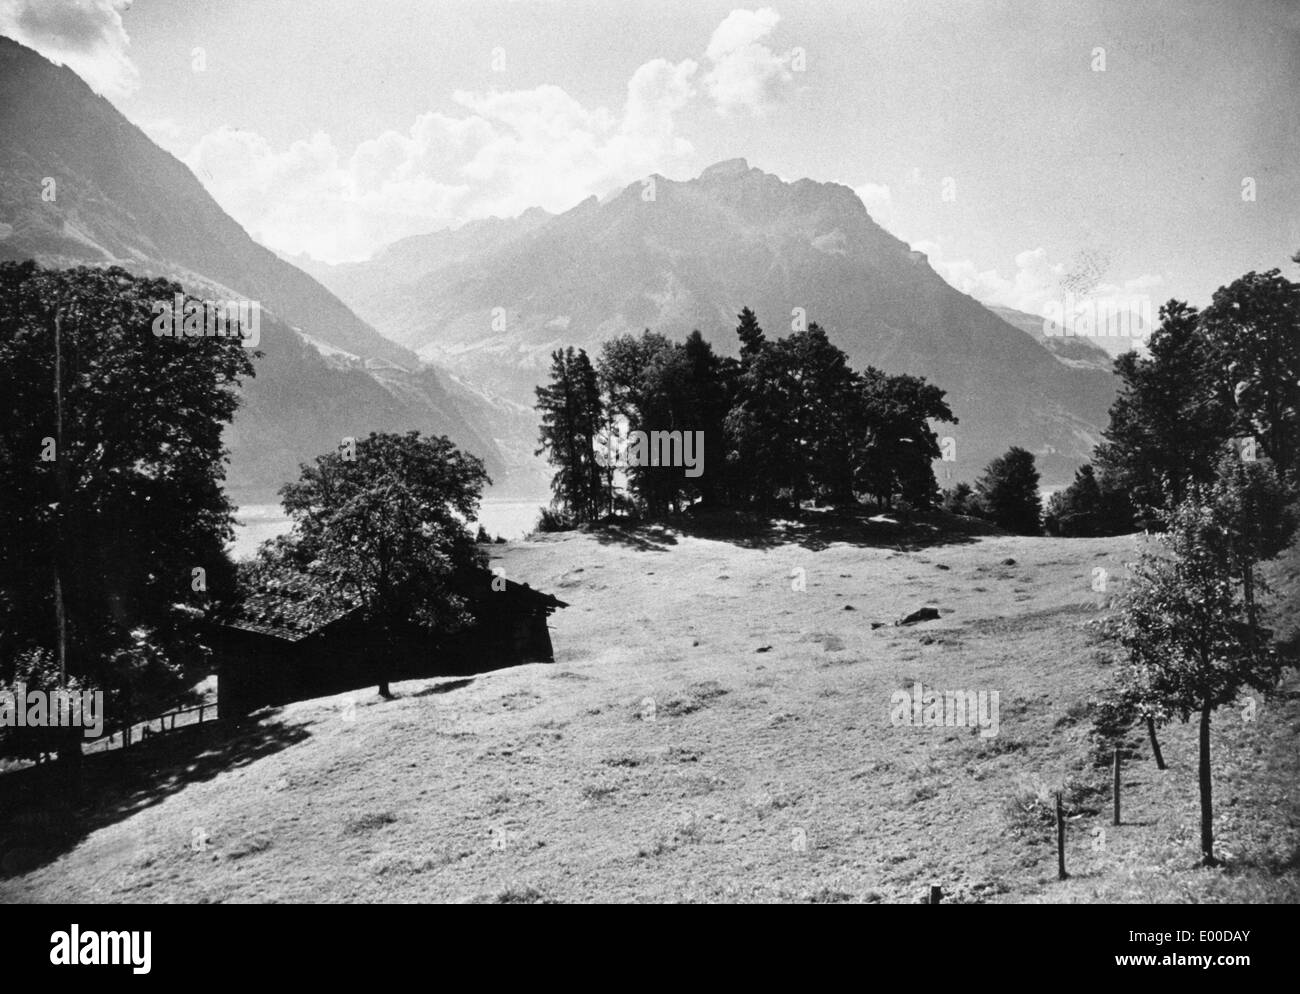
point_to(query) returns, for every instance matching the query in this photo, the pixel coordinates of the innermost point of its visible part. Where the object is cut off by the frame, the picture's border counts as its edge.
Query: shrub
(554, 521)
(961, 500)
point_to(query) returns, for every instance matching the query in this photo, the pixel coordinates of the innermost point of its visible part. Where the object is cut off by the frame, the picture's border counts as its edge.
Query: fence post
(936, 894)
(1117, 786)
(1060, 839)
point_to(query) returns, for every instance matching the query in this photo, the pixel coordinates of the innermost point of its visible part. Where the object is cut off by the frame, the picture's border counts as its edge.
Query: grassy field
(711, 732)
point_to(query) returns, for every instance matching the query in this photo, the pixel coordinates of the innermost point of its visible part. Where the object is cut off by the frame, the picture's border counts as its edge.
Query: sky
(1153, 147)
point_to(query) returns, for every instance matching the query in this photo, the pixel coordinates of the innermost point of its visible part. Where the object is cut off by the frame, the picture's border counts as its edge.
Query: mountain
(679, 255)
(118, 199)
(410, 258)
(1081, 352)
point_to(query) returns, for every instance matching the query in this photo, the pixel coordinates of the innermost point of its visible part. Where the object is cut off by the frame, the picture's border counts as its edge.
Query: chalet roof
(261, 628)
(279, 614)
(478, 585)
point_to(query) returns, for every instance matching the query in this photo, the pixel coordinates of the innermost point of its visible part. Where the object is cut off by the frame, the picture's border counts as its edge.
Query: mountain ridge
(119, 199)
(675, 255)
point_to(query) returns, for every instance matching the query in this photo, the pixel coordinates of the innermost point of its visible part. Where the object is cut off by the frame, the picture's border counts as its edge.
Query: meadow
(717, 726)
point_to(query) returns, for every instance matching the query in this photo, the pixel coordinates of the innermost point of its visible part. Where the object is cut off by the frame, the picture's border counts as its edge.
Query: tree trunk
(387, 659)
(69, 767)
(1155, 745)
(1207, 808)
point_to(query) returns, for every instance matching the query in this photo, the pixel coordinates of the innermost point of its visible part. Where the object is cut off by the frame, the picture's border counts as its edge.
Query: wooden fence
(165, 723)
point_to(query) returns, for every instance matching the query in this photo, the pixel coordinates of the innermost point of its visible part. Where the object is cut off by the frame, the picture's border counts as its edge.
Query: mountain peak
(726, 169)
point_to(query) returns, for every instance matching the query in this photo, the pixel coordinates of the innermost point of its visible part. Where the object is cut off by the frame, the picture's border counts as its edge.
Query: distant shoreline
(510, 518)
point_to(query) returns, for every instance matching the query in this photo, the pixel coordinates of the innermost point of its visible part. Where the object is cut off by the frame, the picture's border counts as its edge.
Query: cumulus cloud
(746, 74)
(1035, 282)
(168, 133)
(86, 35)
(877, 198)
(498, 154)
(507, 152)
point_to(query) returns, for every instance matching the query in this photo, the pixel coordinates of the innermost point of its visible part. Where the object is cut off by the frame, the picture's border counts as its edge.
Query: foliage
(1230, 372)
(551, 520)
(1252, 336)
(1008, 492)
(960, 499)
(788, 422)
(121, 515)
(1088, 507)
(1188, 621)
(383, 529)
(573, 416)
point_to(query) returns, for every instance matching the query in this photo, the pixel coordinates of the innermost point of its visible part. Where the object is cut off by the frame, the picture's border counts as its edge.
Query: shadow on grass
(441, 688)
(812, 529)
(47, 810)
(642, 536)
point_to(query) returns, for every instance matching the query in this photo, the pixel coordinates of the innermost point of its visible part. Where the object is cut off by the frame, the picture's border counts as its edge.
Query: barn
(261, 662)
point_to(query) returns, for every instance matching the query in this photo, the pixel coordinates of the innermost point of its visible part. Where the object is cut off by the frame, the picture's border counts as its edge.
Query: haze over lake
(508, 517)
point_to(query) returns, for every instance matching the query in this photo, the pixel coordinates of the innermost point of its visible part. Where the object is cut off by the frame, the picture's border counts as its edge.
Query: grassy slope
(546, 782)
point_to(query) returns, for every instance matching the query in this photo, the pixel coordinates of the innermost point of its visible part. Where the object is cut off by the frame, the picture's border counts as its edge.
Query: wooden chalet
(263, 660)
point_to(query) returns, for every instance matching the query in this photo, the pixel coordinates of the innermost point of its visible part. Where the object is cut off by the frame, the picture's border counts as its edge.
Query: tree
(1089, 506)
(573, 417)
(111, 463)
(710, 384)
(804, 424)
(896, 447)
(657, 385)
(595, 487)
(385, 530)
(750, 334)
(1192, 641)
(1008, 492)
(1169, 422)
(1252, 332)
(763, 456)
(1256, 517)
(824, 415)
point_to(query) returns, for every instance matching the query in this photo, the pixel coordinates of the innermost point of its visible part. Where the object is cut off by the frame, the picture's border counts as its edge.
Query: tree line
(787, 421)
(1201, 448)
(115, 522)
(1226, 377)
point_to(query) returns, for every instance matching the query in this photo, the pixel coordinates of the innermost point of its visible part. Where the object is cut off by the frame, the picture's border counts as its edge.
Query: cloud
(877, 198)
(1035, 282)
(168, 133)
(746, 74)
(86, 35)
(497, 154)
(507, 152)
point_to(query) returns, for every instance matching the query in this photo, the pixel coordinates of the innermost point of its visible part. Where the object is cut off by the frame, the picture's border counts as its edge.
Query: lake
(511, 518)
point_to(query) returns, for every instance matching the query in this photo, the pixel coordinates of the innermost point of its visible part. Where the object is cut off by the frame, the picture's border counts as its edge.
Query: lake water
(511, 518)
